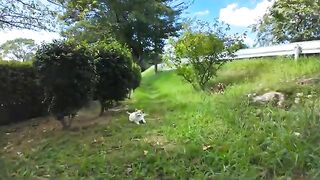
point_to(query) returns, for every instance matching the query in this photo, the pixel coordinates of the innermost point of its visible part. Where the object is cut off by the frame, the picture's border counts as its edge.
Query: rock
(20, 154)
(129, 170)
(297, 134)
(206, 147)
(270, 96)
(299, 94)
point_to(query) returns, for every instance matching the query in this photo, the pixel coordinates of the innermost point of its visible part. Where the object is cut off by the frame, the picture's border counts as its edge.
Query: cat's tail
(128, 112)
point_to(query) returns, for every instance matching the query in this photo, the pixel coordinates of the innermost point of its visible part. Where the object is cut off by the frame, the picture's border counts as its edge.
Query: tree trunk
(64, 123)
(102, 108)
(70, 121)
(156, 68)
(137, 56)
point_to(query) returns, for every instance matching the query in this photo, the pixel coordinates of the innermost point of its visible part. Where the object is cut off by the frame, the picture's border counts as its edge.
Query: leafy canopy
(20, 49)
(143, 25)
(196, 45)
(202, 50)
(289, 21)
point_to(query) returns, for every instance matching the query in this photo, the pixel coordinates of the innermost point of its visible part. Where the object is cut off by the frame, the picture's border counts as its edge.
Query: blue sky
(238, 13)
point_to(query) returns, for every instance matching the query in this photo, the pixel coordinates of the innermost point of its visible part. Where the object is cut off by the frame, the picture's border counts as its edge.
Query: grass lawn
(188, 135)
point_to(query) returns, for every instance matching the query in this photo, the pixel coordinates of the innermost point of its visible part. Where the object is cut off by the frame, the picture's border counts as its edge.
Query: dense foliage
(66, 72)
(142, 25)
(290, 21)
(20, 95)
(200, 54)
(116, 73)
(20, 49)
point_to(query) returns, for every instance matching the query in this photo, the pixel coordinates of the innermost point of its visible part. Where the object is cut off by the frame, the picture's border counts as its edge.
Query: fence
(306, 47)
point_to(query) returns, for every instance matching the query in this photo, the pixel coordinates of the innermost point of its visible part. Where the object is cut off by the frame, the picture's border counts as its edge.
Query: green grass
(192, 134)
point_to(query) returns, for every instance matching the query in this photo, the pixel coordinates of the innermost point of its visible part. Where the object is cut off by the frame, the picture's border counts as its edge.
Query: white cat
(270, 96)
(137, 117)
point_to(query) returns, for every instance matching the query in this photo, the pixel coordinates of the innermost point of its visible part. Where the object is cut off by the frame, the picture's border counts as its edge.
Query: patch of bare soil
(25, 135)
(160, 141)
(19, 137)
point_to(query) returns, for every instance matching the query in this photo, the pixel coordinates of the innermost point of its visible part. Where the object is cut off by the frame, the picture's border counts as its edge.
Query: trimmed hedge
(66, 72)
(20, 93)
(63, 78)
(116, 72)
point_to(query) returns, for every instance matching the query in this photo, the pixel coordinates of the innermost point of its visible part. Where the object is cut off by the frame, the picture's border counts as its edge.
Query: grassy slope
(193, 134)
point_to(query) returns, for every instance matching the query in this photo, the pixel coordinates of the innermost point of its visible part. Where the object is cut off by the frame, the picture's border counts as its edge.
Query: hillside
(189, 134)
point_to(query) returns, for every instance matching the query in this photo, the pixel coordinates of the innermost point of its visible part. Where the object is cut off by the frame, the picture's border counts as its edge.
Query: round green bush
(66, 72)
(116, 73)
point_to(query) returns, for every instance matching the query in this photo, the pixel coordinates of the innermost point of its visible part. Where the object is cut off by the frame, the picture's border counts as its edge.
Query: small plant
(200, 54)
(66, 72)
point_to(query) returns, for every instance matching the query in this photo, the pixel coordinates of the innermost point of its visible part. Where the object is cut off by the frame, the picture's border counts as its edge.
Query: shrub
(66, 72)
(200, 54)
(136, 76)
(116, 73)
(20, 95)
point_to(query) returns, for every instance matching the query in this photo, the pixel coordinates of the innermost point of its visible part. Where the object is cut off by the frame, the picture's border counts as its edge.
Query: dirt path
(26, 135)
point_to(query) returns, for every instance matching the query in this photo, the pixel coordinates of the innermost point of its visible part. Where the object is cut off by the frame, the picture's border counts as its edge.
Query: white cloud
(243, 16)
(202, 13)
(37, 36)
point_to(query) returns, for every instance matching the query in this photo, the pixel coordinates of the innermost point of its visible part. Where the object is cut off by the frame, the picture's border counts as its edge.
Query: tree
(29, 14)
(154, 59)
(289, 21)
(143, 25)
(19, 49)
(116, 73)
(200, 53)
(66, 72)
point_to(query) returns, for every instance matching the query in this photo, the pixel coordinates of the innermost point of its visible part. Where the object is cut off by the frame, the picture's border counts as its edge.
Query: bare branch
(27, 14)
